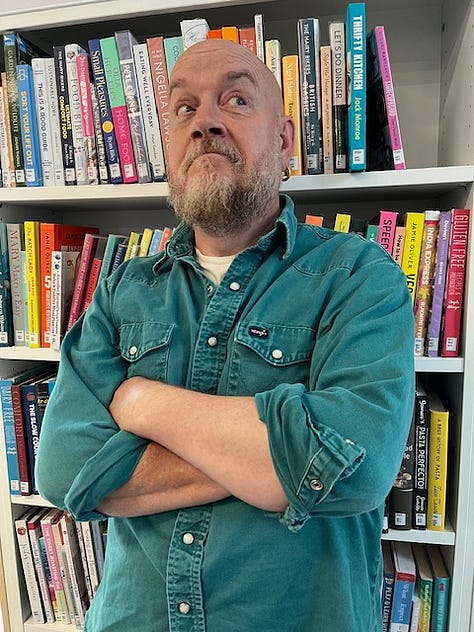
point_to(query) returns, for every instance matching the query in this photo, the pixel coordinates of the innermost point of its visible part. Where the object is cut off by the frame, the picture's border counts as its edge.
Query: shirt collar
(181, 242)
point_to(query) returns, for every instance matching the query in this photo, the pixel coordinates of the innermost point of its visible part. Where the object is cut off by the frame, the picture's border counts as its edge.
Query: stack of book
(101, 115)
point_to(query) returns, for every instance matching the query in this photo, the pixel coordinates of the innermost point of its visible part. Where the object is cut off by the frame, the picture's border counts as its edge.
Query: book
(247, 38)
(91, 282)
(387, 584)
(119, 256)
(455, 274)
(337, 42)
(86, 529)
(160, 81)
(401, 494)
(327, 110)
(90, 249)
(125, 42)
(230, 33)
(42, 108)
(6, 148)
(424, 581)
(65, 122)
(308, 38)
(155, 242)
(273, 58)
(87, 118)
(118, 107)
(133, 240)
(439, 280)
(387, 226)
(357, 85)
(150, 114)
(315, 220)
(291, 100)
(6, 315)
(105, 111)
(55, 236)
(17, 50)
(424, 286)
(421, 445)
(26, 556)
(259, 36)
(113, 240)
(63, 275)
(415, 611)
(437, 462)
(33, 281)
(173, 49)
(102, 165)
(51, 527)
(384, 139)
(73, 559)
(414, 221)
(145, 241)
(193, 31)
(371, 232)
(71, 51)
(398, 243)
(404, 586)
(29, 126)
(52, 104)
(35, 536)
(441, 590)
(342, 222)
(165, 236)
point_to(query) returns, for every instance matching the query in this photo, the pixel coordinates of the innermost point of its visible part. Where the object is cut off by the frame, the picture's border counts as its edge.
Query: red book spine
(20, 437)
(87, 255)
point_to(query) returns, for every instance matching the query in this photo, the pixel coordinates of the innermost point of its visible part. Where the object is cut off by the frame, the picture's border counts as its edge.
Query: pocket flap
(136, 339)
(279, 345)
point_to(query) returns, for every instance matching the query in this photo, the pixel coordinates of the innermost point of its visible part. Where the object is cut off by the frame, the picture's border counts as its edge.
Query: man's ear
(287, 136)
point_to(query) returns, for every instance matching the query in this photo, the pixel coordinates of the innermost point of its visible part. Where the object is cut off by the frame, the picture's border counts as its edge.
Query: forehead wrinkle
(230, 77)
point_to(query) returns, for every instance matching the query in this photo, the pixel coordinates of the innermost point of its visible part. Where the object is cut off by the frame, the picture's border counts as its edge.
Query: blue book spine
(105, 112)
(29, 126)
(155, 242)
(10, 441)
(401, 605)
(357, 58)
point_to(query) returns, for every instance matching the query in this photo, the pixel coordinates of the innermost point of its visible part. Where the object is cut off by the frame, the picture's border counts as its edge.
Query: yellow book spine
(292, 106)
(145, 242)
(133, 241)
(414, 222)
(437, 467)
(230, 33)
(342, 222)
(273, 58)
(33, 299)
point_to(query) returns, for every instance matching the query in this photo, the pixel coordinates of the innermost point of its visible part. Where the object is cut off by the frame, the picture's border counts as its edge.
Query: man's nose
(207, 122)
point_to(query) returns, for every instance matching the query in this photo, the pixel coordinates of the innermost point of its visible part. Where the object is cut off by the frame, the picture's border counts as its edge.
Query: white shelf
(25, 353)
(31, 626)
(424, 536)
(31, 501)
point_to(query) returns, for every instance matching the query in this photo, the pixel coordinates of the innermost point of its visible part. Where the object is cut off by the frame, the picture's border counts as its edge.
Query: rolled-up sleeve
(338, 444)
(83, 456)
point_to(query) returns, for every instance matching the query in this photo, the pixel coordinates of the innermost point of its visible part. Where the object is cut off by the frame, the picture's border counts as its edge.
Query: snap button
(210, 289)
(133, 350)
(277, 354)
(188, 538)
(316, 485)
(184, 607)
(212, 341)
(235, 286)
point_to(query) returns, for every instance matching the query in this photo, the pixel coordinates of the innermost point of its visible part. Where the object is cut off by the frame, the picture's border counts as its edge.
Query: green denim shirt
(318, 326)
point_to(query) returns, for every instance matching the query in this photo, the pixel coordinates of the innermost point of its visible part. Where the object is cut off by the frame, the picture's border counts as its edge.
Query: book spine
(273, 58)
(455, 275)
(247, 38)
(52, 101)
(71, 51)
(437, 469)
(401, 494)
(29, 126)
(173, 50)
(160, 81)
(125, 42)
(6, 147)
(11, 61)
(102, 168)
(193, 31)
(62, 286)
(357, 53)
(26, 484)
(398, 243)
(155, 242)
(387, 226)
(32, 250)
(105, 112)
(91, 283)
(6, 315)
(119, 109)
(291, 100)
(38, 65)
(109, 254)
(337, 41)
(309, 88)
(439, 280)
(87, 254)
(73, 559)
(411, 250)
(64, 109)
(32, 427)
(90, 556)
(34, 533)
(15, 238)
(11, 449)
(259, 36)
(26, 557)
(420, 480)
(150, 113)
(87, 118)
(63, 568)
(46, 240)
(390, 103)
(424, 287)
(326, 110)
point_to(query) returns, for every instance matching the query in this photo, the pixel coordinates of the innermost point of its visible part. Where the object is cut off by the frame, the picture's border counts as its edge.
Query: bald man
(237, 405)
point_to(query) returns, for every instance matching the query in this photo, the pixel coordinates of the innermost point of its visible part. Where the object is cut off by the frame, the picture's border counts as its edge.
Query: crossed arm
(202, 448)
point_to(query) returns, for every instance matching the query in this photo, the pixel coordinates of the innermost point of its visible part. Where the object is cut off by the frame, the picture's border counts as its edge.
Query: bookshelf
(431, 52)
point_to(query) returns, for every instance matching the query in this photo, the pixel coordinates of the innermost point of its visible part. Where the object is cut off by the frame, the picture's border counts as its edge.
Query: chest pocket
(267, 355)
(146, 347)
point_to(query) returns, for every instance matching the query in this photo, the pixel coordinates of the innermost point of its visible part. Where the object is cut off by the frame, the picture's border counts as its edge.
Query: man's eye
(184, 109)
(237, 100)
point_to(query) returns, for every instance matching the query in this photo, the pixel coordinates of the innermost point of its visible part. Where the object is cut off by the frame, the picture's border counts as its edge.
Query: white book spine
(26, 557)
(149, 112)
(80, 157)
(44, 126)
(193, 31)
(89, 549)
(53, 109)
(35, 534)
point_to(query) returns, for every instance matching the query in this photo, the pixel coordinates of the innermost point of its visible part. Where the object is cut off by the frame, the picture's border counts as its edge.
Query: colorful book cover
(424, 286)
(133, 240)
(437, 463)
(102, 166)
(26, 556)
(33, 282)
(421, 449)
(357, 82)
(439, 281)
(150, 114)
(326, 110)
(414, 221)
(118, 106)
(105, 112)
(315, 220)
(292, 105)
(80, 159)
(455, 274)
(35, 535)
(337, 41)
(160, 80)
(145, 241)
(47, 523)
(247, 38)
(230, 33)
(387, 226)
(384, 139)
(65, 122)
(63, 275)
(6, 314)
(173, 49)
(441, 590)
(424, 581)
(342, 222)
(155, 242)
(398, 243)
(125, 42)
(308, 33)
(405, 577)
(371, 232)
(29, 126)
(91, 282)
(87, 117)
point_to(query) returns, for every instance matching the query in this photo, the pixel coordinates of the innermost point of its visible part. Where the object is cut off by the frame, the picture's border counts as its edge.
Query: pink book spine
(387, 226)
(439, 281)
(455, 282)
(390, 103)
(82, 62)
(87, 254)
(124, 142)
(53, 560)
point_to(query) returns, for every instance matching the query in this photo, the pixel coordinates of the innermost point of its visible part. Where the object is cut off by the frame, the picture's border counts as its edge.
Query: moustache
(212, 146)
